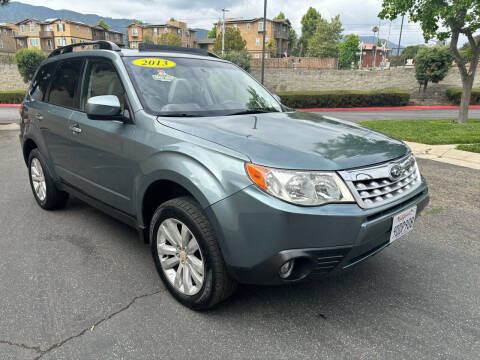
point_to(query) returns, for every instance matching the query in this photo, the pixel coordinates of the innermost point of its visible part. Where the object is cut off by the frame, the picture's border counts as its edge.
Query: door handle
(75, 129)
(39, 116)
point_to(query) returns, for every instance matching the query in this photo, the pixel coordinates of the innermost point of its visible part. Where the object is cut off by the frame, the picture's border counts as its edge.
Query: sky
(357, 16)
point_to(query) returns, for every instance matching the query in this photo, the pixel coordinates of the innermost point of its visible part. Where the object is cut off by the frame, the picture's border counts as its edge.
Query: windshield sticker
(163, 76)
(154, 63)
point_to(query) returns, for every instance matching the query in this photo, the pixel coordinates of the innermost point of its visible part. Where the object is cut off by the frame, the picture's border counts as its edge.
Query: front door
(103, 169)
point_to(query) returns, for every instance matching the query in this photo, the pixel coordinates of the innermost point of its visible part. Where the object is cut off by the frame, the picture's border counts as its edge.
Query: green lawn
(470, 147)
(431, 131)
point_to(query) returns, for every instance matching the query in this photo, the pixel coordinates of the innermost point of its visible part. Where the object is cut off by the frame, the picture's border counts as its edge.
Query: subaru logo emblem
(396, 171)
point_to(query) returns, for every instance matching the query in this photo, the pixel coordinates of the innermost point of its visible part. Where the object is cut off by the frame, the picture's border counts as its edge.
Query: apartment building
(7, 40)
(138, 33)
(252, 32)
(51, 34)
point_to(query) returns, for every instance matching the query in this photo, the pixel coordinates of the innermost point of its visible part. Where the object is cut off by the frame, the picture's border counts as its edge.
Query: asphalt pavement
(9, 115)
(77, 284)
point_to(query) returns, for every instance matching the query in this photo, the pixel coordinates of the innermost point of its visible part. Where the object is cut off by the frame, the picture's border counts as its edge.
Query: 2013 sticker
(154, 63)
(163, 76)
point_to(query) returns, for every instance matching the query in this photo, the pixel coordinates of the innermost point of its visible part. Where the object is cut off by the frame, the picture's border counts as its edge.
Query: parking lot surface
(77, 284)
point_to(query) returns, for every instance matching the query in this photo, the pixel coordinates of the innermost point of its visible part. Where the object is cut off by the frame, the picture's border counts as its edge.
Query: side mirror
(105, 107)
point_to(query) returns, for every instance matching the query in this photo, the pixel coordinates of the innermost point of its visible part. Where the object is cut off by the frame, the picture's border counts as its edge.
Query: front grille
(328, 260)
(385, 183)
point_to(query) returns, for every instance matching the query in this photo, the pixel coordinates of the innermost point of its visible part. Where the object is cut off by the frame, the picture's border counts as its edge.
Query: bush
(455, 96)
(240, 58)
(12, 97)
(344, 99)
(28, 61)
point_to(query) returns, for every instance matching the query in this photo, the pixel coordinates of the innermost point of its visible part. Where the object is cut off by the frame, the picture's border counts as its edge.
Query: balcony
(45, 34)
(280, 34)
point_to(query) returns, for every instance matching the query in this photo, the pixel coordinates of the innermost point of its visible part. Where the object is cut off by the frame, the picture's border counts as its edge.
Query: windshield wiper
(252, 111)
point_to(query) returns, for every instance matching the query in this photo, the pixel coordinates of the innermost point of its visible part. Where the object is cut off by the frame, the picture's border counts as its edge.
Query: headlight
(308, 188)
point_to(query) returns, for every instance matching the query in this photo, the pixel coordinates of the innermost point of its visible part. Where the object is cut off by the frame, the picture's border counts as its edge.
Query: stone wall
(10, 78)
(323, 80)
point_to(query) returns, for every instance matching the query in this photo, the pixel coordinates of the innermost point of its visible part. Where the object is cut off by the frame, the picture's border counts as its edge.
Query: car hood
(294, 140)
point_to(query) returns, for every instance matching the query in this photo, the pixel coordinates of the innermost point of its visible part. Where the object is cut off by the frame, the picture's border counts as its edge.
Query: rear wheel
(44, 190)
(187, 256)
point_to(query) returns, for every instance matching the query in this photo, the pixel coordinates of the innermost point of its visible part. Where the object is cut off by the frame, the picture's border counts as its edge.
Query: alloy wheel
(38, 179)
(180, 257)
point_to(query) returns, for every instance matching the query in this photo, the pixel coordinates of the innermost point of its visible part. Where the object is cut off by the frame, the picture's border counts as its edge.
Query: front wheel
(187, 256)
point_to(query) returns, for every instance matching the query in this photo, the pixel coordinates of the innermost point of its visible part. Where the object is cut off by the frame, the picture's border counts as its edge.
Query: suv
(225, 183)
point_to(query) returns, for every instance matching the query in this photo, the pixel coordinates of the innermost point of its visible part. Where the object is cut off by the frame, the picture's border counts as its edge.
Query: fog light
(286, 269)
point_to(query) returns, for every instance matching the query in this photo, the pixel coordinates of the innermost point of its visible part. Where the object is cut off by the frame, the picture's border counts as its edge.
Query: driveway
(77, 284)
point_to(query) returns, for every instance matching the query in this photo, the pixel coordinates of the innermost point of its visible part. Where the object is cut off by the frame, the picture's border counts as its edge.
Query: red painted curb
(9, 105)
(434, 107)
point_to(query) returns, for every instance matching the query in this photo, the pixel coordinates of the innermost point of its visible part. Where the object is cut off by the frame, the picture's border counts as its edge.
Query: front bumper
(258, 233)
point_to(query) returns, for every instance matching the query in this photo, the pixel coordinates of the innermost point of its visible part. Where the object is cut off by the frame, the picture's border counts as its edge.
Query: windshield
(170, 86)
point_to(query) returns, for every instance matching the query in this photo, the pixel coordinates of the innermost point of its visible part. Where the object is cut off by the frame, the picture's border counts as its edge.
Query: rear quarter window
(42, 80)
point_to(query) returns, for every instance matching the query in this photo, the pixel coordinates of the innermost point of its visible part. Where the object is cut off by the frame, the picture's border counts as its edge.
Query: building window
(249, 26)
(266, 56)
(34, 42)
(49, 43)
(73, 41)
(257, 56)
(284, 28)
(1, 44)
(260, 26)
(155, 31)
(62, 42)
(78, 28)
(257, 41)
(235, 26)
(107, 36)
(60, 27)
(179, 31)
(32, 27)
(188, 33)
(23, 29)
(50, 27)
(135, 32)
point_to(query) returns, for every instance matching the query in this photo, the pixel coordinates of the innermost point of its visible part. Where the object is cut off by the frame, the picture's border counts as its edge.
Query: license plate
(403, 223)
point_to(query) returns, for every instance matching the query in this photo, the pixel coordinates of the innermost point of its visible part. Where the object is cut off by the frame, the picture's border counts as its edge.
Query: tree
(348, 51)
(432, 65)
(408, 53)
(103, 24)
(271, 46)
(323, 43)
(309, 26)
(171, 19)
(241, 58)
(4, 2)
(147, 38)
(233, 41)
(280, 16)
(212, 34)
(28, 61)
(137, 22)
(170, 38)
(292, 41)
(441, 20)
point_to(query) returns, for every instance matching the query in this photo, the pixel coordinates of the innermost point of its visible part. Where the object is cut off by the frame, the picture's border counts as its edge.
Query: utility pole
(264, 32)
(376, 45)
(400, 38)
(223, 31)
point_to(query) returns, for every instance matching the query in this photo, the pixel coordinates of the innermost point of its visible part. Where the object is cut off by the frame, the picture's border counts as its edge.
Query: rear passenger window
(102, 79)
(41, 81)
(65, 83)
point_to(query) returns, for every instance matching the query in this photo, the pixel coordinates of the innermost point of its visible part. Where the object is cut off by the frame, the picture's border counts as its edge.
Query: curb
(446, 154)
(9, 127)
(10, 105)
(414, 107)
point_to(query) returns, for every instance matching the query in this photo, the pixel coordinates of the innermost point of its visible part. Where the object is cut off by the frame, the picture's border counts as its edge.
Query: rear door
(62, 98)
(103, 168)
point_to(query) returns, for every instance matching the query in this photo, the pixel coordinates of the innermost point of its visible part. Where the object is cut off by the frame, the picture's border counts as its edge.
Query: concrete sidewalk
(446, 154)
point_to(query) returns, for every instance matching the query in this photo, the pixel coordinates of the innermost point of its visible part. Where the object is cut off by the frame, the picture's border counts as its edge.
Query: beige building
(205, 44)
(252, 32)
(7, 39)
(51, 34)
(138, 33)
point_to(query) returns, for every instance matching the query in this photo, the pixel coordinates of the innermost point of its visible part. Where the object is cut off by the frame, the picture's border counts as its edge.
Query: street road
(399, 114)
(9, 115)
(77, 284)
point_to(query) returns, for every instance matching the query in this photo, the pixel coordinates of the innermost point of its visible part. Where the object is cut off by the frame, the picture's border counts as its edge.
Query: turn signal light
(257, 174)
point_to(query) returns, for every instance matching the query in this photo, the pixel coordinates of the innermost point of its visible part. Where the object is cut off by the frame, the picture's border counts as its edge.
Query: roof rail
(167, 48)
(98, 44)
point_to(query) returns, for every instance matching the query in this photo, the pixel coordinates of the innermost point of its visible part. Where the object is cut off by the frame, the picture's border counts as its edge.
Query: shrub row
(12, 97)
(344, 99)
(455, 96)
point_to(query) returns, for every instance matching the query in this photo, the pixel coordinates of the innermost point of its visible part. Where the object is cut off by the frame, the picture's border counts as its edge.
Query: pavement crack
(23, 346)
(90, 328)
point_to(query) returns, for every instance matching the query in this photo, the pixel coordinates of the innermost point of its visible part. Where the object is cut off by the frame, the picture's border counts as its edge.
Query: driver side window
(102, 79)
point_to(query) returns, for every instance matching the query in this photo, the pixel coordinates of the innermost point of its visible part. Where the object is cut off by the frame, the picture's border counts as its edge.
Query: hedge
(12, 97)
(455, 95)
(344, 99)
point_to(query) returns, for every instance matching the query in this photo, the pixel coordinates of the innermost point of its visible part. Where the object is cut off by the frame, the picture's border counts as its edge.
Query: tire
(216, 285)
(50, 198)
